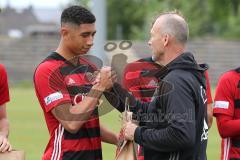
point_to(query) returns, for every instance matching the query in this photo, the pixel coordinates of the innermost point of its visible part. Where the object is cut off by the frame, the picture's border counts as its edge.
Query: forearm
(117, 97)
(167, 139)
(108, 136)
(4, 142)
(228, 127)
(89, 102)
(73, 117)
(210, 115)
(4, 127)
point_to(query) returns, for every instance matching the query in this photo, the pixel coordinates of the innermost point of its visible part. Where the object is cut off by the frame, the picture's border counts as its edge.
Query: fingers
(105, 69)
(129, 130)
(5, 146)
(106, 78)
(10, 148)
(126, 130)
(126, 134)
(97, 78)
(2, 143)
(1, 139)
(114, 79)
(92, 77)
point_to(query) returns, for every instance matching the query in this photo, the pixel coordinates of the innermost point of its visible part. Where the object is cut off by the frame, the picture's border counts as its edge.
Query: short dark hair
(77, 15)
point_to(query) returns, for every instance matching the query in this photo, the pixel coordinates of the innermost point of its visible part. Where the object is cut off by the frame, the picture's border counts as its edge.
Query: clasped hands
(105, 78)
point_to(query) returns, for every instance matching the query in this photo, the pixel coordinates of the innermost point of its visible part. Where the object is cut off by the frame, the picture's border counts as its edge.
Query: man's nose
(149, 42)
(90, 41)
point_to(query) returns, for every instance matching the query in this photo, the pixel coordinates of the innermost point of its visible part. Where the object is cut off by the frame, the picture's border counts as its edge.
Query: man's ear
(166, 39)
(64, 33)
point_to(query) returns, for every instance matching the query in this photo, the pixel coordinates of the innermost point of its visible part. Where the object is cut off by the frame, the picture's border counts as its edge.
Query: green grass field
(28, 130)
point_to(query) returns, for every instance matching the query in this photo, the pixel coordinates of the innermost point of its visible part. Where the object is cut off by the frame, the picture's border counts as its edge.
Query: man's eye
(84, 35)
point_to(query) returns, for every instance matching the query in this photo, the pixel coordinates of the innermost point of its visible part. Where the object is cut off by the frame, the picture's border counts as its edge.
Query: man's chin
(155, 57)
(85, 51)
(82, 52)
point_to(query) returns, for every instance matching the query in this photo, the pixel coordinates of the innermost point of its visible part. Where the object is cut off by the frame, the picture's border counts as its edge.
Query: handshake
(105, 79)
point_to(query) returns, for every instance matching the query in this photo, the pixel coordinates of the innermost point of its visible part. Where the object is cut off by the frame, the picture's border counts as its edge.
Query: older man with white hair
(176, 118)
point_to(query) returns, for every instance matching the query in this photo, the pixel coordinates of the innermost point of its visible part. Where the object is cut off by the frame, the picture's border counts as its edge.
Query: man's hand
(129, 130)
(106, 78)
(4, 144)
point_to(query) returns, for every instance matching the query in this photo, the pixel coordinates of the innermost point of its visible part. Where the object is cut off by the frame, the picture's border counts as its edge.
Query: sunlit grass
(28, 130)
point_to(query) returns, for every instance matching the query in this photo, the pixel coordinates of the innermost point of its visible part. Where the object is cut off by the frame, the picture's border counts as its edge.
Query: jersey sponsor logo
(53, 97)
(221, 104)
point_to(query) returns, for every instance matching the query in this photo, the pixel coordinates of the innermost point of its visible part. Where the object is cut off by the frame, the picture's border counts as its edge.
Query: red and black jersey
(4, 91)
(227, 103)
(58, 81)
(141, 79)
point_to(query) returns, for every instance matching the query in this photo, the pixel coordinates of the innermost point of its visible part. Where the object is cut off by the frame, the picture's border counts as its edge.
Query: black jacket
(176, 118)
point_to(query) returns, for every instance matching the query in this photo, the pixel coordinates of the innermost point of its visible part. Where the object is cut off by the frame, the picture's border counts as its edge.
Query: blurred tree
(225, 18)
(235, 6)
(196, 12)
(131, 19)
(125, 18)
(85, 3)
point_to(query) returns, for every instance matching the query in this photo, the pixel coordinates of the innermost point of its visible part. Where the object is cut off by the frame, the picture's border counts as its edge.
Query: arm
(55, 98)
(227, 127)
(210, 114)
(73, 117)
(4, 126)
(224, 107)
(117, 96)
(4, 130)
(108, 136)
(180, 131)
(209, 100)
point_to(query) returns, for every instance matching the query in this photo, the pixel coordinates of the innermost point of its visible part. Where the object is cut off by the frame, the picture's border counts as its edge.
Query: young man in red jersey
(67, 97)
(141, 83)
(227, 112)
(4, 98)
